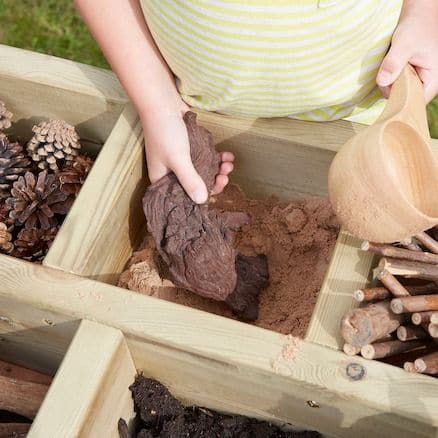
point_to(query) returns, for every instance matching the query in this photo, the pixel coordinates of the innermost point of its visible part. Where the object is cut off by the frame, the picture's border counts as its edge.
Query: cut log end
(351, 350)
(433, 330)
(359, 295)
(420, 365)
(397, 306)
(409, 367)
(368, 352)
(416, 318)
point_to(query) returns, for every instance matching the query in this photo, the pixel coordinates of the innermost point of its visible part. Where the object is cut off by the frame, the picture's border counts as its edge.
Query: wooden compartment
(38, 87)
(203, 358)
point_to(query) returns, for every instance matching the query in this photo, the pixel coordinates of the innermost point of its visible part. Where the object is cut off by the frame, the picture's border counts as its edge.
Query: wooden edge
(229, 342)
(324, 135)
(90, 390)
(89, 234)
(348, 271)
(60, 73)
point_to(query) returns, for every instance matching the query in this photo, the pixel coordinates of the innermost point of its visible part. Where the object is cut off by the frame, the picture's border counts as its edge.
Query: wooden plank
(349, 270)
(367, 396)
(37, 87)
(103, 227)
(33, 337)
(60, 73)
(90, 391)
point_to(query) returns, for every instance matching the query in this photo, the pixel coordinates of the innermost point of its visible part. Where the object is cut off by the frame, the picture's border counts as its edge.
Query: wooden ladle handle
(406, 102)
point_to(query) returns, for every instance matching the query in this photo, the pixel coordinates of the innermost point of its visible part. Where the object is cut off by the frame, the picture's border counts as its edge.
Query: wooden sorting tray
(207, 359)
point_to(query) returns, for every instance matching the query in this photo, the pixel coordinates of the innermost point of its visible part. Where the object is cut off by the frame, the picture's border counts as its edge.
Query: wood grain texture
(348, 271)
(90, 391)
(105, 223)
(361, 397)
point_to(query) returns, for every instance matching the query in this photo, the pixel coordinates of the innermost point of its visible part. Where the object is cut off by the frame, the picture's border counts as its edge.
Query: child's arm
(120, 29)
(415, 41)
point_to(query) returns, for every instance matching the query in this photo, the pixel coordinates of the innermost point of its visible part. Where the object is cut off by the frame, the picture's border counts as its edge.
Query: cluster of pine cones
(39, 181)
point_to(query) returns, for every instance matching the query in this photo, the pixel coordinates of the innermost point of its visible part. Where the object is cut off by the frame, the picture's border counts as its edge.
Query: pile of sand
(297, 237)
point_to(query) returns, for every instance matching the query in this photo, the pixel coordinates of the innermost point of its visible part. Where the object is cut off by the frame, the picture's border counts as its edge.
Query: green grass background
(54, 27)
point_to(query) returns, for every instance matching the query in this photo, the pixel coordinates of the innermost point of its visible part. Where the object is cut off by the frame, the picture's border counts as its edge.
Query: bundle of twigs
(398, 319)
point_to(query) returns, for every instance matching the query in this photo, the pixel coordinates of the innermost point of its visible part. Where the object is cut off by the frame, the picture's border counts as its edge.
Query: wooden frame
(203, 358)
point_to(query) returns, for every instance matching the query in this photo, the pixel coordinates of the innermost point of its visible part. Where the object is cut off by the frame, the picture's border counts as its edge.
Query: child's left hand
(415, 41)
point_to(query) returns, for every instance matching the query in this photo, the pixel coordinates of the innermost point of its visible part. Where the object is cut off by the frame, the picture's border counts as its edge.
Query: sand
(297, 237)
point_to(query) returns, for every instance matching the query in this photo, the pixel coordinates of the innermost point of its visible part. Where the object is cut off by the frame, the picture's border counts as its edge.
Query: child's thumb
(391, 67)
(191, 181)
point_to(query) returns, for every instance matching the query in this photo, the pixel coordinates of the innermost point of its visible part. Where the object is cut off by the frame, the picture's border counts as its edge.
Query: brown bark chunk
(195, 242)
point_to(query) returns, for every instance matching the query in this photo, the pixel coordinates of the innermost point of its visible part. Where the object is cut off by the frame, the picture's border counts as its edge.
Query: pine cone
(33, 244)
(36, 201)
(13, 163)
(4, 213)
(5, 116)
(6, 245)
(72, 177)
(54, 144)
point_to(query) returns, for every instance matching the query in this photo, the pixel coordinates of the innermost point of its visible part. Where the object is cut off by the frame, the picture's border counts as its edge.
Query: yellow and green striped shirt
(307, 59)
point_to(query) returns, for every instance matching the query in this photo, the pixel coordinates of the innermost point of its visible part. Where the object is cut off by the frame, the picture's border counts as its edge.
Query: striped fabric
(307, 59)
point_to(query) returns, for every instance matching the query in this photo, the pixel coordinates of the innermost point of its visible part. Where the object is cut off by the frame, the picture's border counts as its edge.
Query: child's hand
(168, 150)
(415, 41)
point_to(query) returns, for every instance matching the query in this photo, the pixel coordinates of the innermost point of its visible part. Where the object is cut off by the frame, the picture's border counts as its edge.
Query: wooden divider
(90, 391)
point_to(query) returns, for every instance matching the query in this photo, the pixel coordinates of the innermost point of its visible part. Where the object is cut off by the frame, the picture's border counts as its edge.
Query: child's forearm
(121, 31)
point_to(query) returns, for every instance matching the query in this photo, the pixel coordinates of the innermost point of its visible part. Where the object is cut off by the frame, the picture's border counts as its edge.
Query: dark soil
(160, 415)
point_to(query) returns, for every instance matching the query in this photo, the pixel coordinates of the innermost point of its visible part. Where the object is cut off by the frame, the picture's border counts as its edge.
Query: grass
(54, 27)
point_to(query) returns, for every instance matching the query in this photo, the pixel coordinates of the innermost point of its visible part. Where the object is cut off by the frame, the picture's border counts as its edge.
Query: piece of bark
(399, 253)
(418, 318)
(427, 364)
(368, 324)
(386, 349)
(195, 242)
(409, 269)
(419, 303)
(14, 430)
(411, 333)
(123, 428)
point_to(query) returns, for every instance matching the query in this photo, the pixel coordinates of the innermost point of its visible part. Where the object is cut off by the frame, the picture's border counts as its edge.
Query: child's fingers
(392, 65)
(190, 180)
(227, 156)
(220, 183)
(226, 168)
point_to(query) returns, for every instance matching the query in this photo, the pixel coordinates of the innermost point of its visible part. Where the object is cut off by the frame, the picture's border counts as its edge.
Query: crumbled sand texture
(297, 237)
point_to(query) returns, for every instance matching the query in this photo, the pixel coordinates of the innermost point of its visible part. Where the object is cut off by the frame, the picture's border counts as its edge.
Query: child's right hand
(168, 150)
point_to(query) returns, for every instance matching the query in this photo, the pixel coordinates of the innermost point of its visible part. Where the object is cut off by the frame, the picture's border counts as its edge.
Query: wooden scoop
(383, 183)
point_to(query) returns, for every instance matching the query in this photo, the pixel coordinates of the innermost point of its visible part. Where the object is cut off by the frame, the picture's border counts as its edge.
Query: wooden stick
(409, 367)
(368, 294)
(419, 303)
(434, 317)
(14, 430)
(20, 373)
(390, 348)
(368, 324)
(433, 330)
(427, 364)
(392, 284)
(411, 245)
(400, 253)
(22, 390)
(410, 269)
(429, 242)
(351, 350)
(410, 333)
(418, 318)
